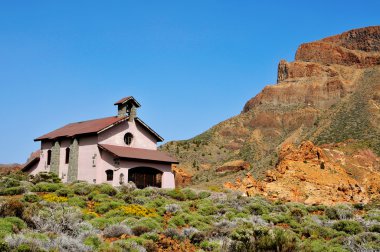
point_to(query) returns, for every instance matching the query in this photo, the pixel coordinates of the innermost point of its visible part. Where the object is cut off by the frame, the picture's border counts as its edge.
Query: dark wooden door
(144, 177)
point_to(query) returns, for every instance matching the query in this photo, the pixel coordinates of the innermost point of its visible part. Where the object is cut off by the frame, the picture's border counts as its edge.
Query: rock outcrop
(313, 175)
(182, 178)
(233, 166)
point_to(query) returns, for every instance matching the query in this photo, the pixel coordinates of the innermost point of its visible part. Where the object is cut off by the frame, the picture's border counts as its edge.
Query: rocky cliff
(329, 94)
(329, 174)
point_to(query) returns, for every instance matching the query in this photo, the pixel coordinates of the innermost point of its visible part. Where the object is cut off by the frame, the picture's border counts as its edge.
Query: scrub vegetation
(43, 214)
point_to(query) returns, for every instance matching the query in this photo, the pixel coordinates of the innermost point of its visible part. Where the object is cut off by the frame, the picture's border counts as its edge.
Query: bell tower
(127, 107)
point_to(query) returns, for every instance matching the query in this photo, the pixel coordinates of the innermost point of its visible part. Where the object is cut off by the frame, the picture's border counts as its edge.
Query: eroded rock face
(323, 71)
(233, 166)
(182, 178)
(313, 175)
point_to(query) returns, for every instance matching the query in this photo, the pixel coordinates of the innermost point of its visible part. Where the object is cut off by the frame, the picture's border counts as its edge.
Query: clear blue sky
(191, 64)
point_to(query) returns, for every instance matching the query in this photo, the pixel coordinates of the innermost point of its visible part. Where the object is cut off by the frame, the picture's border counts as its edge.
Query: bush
(9, 225)
(339, 212)
(137, 210)
(92, 241)
(347, 226)
(104, 207)
(107, 189)
(49, 177)
(46, 187)
(176, 194)
(209, 246)
(204, 194)
(82, 188)
(139, 230)
(190, 194)
(150, 223)
(51, 197)
(172, 208)
(31, 197)
(375, 228)
(116, 231)
(12, 207)
(64, 192)
(77, 201)
(13, 190)
(8, 182)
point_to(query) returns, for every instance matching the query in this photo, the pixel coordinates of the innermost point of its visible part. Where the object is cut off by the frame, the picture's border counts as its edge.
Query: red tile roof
(125, 99)
(34, 158)
(136, 153)
(80, 128)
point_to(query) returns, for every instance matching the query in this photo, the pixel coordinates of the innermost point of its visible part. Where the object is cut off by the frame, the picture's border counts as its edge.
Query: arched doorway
(145, 176)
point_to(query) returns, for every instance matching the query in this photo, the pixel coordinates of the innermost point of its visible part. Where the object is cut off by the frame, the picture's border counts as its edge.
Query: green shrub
(77, 201)
(176, 194)
(49, 177)
(207, 207)
(107, 189)
(31, 197)
(102, 223)
(82, 188)
(375, 228)
(339, 212)
(373, 214)
(13, 190)
(311, 245)
(189, 194)
(347, 226)
(92, 241)
(104, 207)
(204, 195)
(150, 223)
(99, 197)
(4, 246)
(9, 182)
(257, 209)
(46, 187)
(10, 224)
(64, 192)
(209, 245)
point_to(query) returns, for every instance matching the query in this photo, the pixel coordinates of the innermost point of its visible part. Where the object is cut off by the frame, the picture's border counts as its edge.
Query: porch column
(168, 180)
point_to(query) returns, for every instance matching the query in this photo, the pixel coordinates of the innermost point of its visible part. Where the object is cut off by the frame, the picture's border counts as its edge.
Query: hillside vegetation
(42, 214)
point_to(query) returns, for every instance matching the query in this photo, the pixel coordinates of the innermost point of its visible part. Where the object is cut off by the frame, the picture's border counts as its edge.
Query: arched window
(67, 157)
(109, 175)
(128, 138)
(121, 179)
(48, 157)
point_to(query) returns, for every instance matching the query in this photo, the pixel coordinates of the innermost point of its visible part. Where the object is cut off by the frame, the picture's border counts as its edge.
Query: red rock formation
(323, 71)
(233, 166)
(314, 175)
(182, 178)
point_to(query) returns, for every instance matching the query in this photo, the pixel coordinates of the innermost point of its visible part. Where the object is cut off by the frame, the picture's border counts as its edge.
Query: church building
(113, 150)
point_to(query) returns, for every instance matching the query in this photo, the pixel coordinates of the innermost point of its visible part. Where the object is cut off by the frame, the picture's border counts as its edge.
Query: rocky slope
(329, 94)
(328, 174)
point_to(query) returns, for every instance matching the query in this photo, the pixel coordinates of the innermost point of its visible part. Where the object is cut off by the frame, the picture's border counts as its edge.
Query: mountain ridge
(330, 93)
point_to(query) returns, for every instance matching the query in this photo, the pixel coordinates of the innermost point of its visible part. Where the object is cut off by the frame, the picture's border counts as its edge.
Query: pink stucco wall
(92, 163)
(108, 164)
(141, 137)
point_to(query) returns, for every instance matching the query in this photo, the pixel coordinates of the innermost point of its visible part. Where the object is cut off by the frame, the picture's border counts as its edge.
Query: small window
(128, 138)
(109, 175)
(48, 157)
(67, 157)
